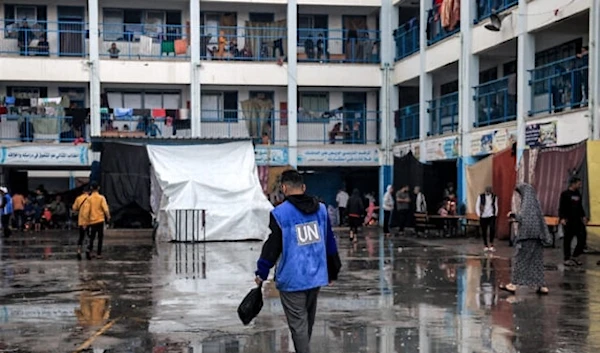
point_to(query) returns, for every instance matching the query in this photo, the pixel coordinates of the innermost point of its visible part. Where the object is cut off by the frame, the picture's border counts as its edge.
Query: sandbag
(251, 305)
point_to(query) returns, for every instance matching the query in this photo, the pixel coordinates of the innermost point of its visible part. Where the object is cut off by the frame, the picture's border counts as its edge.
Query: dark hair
(94, 185)
(574, 180)
(292, 178)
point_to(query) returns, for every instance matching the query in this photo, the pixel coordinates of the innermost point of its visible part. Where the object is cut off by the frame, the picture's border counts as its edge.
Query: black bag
(251, 305)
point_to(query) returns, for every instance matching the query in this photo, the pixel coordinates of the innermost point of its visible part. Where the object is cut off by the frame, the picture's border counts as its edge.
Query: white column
(594, 70)
(525, 62)
(468, 76)
(94, 65)
(387, 62)
(292, 88)
(425, 80)
(195, 89)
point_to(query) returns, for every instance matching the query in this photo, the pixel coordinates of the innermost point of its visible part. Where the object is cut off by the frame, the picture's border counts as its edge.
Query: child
(46, 218)
(114, 51)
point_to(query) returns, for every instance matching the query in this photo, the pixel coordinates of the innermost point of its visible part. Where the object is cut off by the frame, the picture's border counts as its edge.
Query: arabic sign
(44, 155)
(440, 149)
(492, 141)
(333, 157)
(271, 155)
(402, 150)
(538, 135)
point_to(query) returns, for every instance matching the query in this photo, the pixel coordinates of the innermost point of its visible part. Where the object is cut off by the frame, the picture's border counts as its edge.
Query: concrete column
(94, 65)
(195, 89)
(594, 71)
(425, 81)
(525, 62)
(292, 88)
(468, 77)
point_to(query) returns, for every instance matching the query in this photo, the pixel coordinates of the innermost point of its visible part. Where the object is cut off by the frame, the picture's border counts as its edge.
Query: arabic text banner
(365, 156)
(44, 155)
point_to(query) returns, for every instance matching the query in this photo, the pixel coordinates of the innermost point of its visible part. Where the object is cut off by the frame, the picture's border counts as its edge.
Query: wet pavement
(400, 295)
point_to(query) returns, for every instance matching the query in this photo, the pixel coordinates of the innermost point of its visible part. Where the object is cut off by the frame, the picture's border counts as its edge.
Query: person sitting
(152, 129)
(113, 52)
(46, 220)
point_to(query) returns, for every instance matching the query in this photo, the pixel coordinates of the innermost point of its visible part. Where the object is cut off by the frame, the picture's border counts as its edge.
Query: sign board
(362, 156)
(64, 155)
(267, 155)
(541, 135)
(492, 141)
(441, 149)
(402, 150)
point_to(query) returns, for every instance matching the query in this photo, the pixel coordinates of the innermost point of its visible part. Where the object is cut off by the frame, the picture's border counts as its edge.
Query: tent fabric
(125, 179)
(553, 168)
(219, 178)
(432, 178)
(504, 176)
(479, 176)
(593, 168)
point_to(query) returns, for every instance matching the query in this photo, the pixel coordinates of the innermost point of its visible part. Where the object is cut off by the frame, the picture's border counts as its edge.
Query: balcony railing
(338, 46)
(496, 102)
(43, 38)
(36, 128)
(407, 39)
(243, 43)
(138, 41)
(339, 127)
(560, 85)
(406, 122)
(443, 114)
(485, 8)
(437, 30)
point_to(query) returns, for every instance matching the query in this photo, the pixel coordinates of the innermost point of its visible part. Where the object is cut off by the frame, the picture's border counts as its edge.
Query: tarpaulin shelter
(219, 178)
(432, 178)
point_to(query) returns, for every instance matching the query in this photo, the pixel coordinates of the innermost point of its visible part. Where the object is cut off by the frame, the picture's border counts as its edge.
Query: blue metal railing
(436, 29)
(443, 114)
(559, 85)
(43, 38)
(338, 127)
(338, 46)
(407, 39)
(406, 122)
(142, 41)
(243, 43)
(137, 126)
(38, 128)
(485, 8)
(494, 102)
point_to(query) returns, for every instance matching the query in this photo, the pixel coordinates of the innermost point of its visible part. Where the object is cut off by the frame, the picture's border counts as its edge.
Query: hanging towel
(145, 46)
(446, 13)
(181, 47)
(123, 112)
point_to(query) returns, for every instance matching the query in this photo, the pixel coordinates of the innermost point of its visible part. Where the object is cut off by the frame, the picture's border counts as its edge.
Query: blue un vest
(303, 261)
(8, 208)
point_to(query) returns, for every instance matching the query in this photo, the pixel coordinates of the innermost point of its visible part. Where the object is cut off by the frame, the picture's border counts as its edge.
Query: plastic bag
(251, 305)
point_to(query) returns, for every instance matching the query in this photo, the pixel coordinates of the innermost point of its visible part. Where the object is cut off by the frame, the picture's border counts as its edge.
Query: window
(314, 102)
(488, 75)
(128, 25)
(261, 17)
(220, 106)
(23, 95)
(76, 95)
(14, 16)
(450, 87)
(549, 56)
(144, 99)
(311, 25)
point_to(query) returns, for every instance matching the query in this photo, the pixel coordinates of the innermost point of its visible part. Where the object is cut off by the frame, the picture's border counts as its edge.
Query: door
(71, 31)
(355, 104)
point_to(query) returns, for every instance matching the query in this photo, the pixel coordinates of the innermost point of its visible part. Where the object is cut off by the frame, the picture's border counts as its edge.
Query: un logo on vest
(308, 233)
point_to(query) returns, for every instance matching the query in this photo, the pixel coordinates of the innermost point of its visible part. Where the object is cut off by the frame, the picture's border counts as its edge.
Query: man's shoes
(88, 255)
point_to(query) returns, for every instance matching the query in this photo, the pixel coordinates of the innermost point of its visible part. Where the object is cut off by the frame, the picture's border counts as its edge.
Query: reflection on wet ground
(400, 295)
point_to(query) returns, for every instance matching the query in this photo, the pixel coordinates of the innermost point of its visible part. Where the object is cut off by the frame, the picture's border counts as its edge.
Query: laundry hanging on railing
(450, 14)
(145, 46)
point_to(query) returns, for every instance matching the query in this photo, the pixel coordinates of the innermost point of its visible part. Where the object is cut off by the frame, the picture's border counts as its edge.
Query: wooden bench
(423, 223)
(472, 221)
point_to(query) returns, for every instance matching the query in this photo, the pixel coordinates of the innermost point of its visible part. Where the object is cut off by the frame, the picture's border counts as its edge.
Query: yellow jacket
(98, 208)
(82, 206)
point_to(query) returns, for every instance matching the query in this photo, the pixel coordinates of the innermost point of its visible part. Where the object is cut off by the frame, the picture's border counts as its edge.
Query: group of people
(32, 212)
(352, 210)
(92, 215)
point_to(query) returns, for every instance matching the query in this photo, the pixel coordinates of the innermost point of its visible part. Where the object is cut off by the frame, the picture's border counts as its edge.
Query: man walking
(302, 241)
(487, 211)
(572, 217)
(342, 198)
(98, 213)
(403, 207)
(7, 210)
(81, 207)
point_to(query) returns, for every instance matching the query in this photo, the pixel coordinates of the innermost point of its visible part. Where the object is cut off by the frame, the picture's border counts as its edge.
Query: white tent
(218, 178)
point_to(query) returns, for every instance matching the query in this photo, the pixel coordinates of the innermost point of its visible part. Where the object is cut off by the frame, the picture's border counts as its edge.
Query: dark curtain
(582, 173)
(126, 184)
(553, 168)
(504, 182)
(432, 178)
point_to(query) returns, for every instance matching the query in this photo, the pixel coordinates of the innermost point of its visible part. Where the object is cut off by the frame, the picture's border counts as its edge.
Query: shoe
(486, 249)
(492, 249)
(577, 262)
(88, 255)
(99, 257)
(505, 288)
(542, 291)
(570, 263)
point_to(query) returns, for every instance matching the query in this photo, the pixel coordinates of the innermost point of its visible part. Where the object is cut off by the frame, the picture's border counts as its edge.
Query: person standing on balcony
(342, 198)
(6, 208)
(98, 213)
(580, 85)
(113, 52)
(487, 211)
(24, 37)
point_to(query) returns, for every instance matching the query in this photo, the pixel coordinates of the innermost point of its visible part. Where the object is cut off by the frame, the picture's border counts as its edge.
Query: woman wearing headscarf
(356, 209)
(528, 259)
(388, 207)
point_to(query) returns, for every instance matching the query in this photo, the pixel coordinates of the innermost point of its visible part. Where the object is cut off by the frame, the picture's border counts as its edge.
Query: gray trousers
(300, 309)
